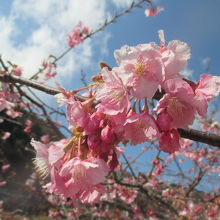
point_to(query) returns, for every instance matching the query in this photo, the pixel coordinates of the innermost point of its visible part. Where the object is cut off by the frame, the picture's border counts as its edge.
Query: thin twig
(129, 166)
(195, 182)
(101, 28)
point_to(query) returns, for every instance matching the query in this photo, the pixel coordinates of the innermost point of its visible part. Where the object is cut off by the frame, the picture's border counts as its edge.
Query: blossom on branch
(153, 11)
(77, 35)
(116, 110)
(140, 66)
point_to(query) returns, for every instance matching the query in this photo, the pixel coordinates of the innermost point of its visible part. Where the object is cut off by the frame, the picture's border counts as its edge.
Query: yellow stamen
(175, 105)
(141, 68)
(79, 172)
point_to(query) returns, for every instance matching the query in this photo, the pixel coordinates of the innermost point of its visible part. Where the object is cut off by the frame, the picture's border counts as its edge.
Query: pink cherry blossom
(17, 71)
(41, 160)
(94, 142)
(180, 103)
(63, 97)
(175, 56)
(208, 86)
(140, 128)
(164, 121)
(47, 155)
(5, 168)
(28, 127)
(140, 68)
(14, 114)
(3, 183)
(169, 141)
(45, 139)
(117, 124)
(76, 115)
(127, 195)
(77, 35)
(185, 143)
(112, 94)
(113, 162)
(153, 11)
(49, 70)
(94, 123)
(77, 176)
(4, 104)
(107, 135)
(92, 195)
(160, 168)
(55, 152)
(182, 112)
(6, 135)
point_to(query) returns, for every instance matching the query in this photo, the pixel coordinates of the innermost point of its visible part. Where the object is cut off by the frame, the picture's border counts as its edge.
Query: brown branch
(3, 65)
(50, 122)
(153, 198)
(129, 166)
(191, 134)
(196, 182)
(200, 136)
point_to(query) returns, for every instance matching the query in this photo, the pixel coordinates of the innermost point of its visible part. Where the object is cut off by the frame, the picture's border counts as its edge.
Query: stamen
(141, 68)
(118, 94)
(175, 105)
(41, 167)
(79, 172)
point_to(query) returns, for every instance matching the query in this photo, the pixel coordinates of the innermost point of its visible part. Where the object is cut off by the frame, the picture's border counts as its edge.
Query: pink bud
(6, 135)
(3, 183)
(107, 135)
(5, 168)
(106, 147)
(94, 142)
(113, 162)
(93, 123)
(164, 121)
(153, 11)
(45, 139)
(17, 71)
(150, 212)
(156, 162)
(169, 141)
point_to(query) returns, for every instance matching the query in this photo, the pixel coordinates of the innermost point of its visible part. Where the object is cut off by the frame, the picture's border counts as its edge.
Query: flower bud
(107, 135)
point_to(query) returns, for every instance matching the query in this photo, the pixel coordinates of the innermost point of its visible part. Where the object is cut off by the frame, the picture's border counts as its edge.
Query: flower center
(141, 67)
(175, 105)
(79, 172)
(141, 124)
(118, 94)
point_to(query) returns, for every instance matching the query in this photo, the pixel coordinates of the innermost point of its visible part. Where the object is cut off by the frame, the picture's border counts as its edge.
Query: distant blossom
(153, 11)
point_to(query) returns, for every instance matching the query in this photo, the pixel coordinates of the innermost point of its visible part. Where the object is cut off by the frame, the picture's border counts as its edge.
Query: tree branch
(200, 136)
(191, 134)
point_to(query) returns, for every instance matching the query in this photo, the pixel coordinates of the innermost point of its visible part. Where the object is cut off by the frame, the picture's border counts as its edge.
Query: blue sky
(31, 30)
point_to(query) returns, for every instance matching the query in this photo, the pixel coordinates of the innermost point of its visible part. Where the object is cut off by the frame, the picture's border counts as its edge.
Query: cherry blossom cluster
(9, 103)
(49, 69)
(122, 115)
(77, 35)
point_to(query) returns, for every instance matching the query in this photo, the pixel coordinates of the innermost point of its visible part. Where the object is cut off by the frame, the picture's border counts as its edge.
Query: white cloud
(186, 73)
(206, 61)
(122, 3)
(104, 49)
(32, 30)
